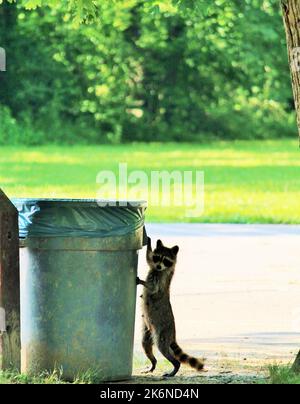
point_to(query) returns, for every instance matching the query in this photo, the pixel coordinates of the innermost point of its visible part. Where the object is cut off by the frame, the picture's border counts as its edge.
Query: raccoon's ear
(159, 244)
(175, 250)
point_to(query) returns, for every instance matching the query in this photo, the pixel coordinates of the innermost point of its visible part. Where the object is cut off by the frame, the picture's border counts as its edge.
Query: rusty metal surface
(9, 286)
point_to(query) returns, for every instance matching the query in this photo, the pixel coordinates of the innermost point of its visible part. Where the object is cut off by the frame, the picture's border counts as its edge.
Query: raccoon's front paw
(138, 281)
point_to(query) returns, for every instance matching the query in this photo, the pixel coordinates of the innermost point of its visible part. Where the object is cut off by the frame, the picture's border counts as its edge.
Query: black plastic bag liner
(78, 218)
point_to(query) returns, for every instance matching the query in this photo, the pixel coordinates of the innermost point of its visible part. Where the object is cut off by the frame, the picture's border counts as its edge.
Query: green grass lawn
(245, 181)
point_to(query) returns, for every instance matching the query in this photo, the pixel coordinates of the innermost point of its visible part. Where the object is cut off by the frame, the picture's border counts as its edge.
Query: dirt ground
(225, 371)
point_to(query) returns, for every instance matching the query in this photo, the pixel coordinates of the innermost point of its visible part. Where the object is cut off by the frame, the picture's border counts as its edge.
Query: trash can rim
(96, 203)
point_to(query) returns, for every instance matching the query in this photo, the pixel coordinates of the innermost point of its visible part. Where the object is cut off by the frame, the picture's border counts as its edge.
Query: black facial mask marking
(156, 259)
(167, 263)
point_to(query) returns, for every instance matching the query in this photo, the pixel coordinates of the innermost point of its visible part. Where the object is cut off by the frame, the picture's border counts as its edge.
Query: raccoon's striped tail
(184, 358)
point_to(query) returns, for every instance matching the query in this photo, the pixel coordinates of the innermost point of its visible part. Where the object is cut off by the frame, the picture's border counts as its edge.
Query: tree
(140, 73)
(291, 16)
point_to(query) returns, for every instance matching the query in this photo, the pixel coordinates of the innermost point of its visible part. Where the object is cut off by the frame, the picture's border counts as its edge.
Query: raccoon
(158, 318)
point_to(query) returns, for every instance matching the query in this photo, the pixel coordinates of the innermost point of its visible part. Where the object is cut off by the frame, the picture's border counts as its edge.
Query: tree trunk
(296, 365)
(291, 16)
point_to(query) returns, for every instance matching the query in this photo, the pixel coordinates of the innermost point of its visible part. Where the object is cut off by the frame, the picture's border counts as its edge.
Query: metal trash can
(78, 266)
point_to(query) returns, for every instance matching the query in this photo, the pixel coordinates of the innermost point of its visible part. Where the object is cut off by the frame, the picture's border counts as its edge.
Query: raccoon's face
(163, 258)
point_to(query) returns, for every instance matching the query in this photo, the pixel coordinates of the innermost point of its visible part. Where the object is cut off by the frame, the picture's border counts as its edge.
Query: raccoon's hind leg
(148, 348)
(164, 347)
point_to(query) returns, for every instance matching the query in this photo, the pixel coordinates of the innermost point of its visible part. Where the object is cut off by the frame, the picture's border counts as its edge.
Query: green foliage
(88, 9)
(13, 132)
(146, 70)
(9, 128)
(283, 375)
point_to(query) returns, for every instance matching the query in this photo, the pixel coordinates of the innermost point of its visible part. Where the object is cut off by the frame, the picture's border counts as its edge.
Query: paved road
(236, 292)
